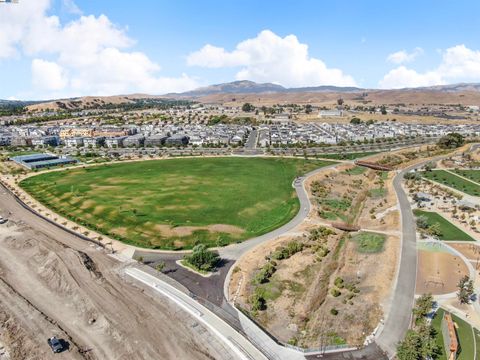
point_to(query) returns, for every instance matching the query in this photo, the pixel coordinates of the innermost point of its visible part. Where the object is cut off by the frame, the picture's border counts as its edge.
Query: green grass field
(473, 175)
(464, 334)
(177, 203)
(448, 230)
(369, 243)
(437, 325)
(453, 181)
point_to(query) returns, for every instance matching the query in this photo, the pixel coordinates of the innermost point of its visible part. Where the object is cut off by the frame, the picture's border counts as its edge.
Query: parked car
(55, 344)
(3, 220)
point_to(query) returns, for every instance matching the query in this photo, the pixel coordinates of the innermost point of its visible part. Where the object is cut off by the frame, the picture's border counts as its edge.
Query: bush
(285, 252)
(339, 282)
(334, 312)
(202, 258)
(335, 292)
(257, 301)
(265, 273)
(422, 222)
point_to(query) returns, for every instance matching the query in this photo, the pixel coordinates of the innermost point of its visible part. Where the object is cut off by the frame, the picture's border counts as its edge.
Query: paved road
(399, 318)
(370, 352)
(400, 315)
(252, 140)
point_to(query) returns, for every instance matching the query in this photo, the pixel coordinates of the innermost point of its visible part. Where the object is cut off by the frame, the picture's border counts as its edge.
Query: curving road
(400, 316)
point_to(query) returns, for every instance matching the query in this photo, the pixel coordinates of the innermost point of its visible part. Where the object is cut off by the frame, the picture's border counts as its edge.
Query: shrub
(202, 258)
(160, 266)
(334, 312)
(285, 252)
(339, 282)
(265, 273)
(335, 292)
(257, 301)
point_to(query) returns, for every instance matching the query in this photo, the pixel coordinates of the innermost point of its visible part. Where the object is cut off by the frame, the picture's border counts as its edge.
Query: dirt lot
(438, 272)
(299, 294)
(69, 289)
(470, 251)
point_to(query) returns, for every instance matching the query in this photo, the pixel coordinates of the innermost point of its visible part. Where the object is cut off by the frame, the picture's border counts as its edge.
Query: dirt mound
(89, 264)
(48, 267)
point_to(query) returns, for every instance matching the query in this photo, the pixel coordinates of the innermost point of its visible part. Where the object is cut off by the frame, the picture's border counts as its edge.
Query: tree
(308, 109)
(340, 102)
(383, 110)
(423, 306)
(465, 289)
(451, 141)
(202, 258)
(429, 166)
(422, 222)
(409, 348)
(435, 230)
(420, 342)
(355, 121)
(247, 107)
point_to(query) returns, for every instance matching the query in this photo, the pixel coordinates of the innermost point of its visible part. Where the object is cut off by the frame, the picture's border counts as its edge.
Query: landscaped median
(176, 203)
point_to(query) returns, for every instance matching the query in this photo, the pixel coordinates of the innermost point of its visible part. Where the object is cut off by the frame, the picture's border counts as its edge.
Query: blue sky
(56, 48)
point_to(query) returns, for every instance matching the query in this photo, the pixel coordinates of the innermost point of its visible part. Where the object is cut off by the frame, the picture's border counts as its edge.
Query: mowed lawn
(464, 334)
(473, 175)
(177, 203)
(448, 230)
(453, 181)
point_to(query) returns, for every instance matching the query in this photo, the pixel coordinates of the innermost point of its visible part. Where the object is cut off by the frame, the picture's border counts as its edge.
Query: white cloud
(215, 57)
(402, 56)
(459, 64)
(87, 56)
(271, 58)
(48, 75)
(71, 7)
(403, 77)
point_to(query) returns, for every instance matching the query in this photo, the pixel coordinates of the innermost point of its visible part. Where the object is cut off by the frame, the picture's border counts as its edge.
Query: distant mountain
(235, 87)
(16, 103)
(452, 88)
(249, 91)
(250, 87)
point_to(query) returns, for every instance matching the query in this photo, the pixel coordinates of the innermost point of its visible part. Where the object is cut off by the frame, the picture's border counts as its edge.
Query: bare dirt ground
(300, 303)
(70, 289)
(439, 272)
(470, 251)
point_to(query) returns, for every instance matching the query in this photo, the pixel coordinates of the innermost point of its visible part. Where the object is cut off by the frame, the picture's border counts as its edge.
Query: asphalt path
(400, 315)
